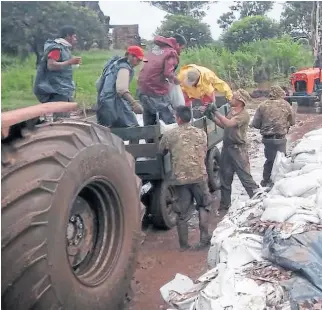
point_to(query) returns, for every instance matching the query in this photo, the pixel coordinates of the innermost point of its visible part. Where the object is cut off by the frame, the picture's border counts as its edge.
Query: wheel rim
(170, 200)
(94, 231)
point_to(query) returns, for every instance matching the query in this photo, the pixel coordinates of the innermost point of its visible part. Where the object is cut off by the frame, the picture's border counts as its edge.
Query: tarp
(302, 254)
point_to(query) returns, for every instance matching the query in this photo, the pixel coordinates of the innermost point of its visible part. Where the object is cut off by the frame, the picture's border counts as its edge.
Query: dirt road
(159, 259)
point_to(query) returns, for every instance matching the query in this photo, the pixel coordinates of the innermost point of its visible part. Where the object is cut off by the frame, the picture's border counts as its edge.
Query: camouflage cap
(242, 95)
(276, 92)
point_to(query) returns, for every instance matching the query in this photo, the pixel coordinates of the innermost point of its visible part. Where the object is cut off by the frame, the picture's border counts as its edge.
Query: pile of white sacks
(293, 204)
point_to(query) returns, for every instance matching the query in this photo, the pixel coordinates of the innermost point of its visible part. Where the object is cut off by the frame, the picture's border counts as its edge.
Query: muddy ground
(159, 258)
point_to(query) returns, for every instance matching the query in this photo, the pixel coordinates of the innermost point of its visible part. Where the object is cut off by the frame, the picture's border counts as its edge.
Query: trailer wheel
(212, 165)
(162, 206)
(70, 219)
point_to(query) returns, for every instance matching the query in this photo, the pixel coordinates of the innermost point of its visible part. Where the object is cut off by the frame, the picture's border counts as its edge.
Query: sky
(149, 17)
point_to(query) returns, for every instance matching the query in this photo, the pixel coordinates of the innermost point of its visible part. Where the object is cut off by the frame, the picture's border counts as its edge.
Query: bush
(253, 63)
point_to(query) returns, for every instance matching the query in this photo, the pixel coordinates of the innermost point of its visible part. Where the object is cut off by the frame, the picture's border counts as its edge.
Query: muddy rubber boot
(203, 227)
(182, 230)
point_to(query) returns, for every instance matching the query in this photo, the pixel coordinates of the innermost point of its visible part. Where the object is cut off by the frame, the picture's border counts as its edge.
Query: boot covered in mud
(182, 230)
(203, 227)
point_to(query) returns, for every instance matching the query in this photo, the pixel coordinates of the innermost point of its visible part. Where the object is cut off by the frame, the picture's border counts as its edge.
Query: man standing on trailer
(234, 154)
(273, 117)
(188, 148)
(198, 82)
(116, 107)
(54, 78)
(155, 78)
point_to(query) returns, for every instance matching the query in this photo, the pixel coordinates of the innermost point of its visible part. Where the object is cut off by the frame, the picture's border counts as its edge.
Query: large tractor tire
(163, 205)
(213, 171)
(70, 219)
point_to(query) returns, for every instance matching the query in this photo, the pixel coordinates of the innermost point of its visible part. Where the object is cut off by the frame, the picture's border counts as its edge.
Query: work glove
(136, 106)
(210, 110)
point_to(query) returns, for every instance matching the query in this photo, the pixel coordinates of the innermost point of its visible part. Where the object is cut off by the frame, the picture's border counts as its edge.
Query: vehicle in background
(307, 90)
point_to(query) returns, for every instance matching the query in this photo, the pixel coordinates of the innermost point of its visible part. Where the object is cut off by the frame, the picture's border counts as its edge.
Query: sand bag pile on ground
(266, 253)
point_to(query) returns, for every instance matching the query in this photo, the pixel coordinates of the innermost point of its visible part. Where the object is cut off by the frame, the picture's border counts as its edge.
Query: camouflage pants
(272, 146)
(234, 159)
(186, 194)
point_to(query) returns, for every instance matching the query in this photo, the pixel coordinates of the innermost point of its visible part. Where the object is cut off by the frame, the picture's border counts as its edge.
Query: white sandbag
(277, 214)
(282, 165)
(240, 250)
(310, 167)
(316, 132)
(224, 230)
(171, 291)
(176, 96)
(312, 144)
(288, 202)
(292, 174)
(318, 201)
(304, 218)
(296, 187)
(305, 158)
(231, 290)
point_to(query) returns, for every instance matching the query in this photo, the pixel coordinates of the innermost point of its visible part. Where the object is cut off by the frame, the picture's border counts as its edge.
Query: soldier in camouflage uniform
(274, 118)
(188, 148)
(234, 154)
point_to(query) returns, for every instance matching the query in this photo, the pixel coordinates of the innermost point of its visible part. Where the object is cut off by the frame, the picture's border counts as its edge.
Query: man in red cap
(115, 104)
(156, 76)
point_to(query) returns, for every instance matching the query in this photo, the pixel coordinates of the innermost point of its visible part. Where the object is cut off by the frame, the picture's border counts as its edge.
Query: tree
(296, 18)
(225, 20)
(186, 8)
(196, 32)
(250, 29)
(27, 25)
(243, 9)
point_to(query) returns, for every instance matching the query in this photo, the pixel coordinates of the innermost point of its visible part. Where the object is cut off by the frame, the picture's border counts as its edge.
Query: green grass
(17, 80)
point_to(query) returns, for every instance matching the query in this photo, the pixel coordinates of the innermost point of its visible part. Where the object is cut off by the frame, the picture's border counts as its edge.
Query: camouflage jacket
(273, 117)
(188, 148)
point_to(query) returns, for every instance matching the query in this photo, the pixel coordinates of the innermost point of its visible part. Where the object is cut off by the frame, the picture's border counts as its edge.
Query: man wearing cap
(198, 82)
(115, 103)
(273, 117)
(155, 78)
(234, 154)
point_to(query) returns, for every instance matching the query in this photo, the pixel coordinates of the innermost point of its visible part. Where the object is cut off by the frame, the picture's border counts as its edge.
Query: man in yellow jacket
(198, 82)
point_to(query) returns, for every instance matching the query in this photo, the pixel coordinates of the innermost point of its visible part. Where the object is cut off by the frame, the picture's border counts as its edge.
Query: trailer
(154, 169)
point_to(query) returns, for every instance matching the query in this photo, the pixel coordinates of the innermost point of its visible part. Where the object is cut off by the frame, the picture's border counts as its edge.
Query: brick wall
(125, 35)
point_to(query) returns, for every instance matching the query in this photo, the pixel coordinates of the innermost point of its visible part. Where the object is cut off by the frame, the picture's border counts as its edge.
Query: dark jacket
(112, 110)
(54, 82)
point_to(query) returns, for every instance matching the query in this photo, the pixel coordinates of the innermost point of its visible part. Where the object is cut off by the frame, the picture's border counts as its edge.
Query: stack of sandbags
(290, 215)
